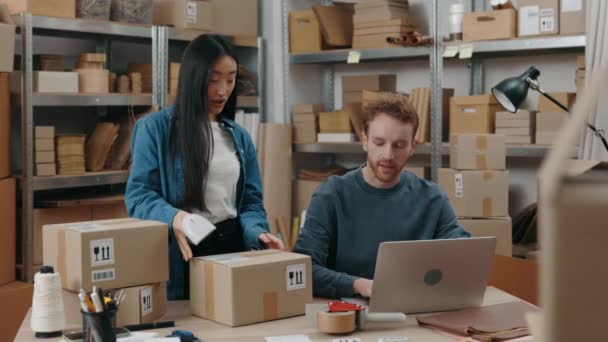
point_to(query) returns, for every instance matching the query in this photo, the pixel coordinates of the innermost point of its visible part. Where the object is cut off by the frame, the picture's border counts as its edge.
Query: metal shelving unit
(88, 179)
(48, 99)
(436, 149)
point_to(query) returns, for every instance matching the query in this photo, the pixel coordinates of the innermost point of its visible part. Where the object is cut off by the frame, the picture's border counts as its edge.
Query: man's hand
(271, 241)
(363, 287)
(180, 236)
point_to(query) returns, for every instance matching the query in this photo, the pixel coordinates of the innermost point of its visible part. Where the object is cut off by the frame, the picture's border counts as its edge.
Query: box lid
(246, 259)
(108, 225)
(474, 100)
(308, 14)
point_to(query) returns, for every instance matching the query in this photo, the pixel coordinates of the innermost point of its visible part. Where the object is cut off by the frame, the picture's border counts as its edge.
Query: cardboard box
(142, 304)
(304, 32)
(251, 287)
(235, 17)
(567, 99)
(334, 122)
(183, 14)
(44, 132)
(490, 25)
(5, 125)
(418, 171)
(307, 108)
(42, 157)
(550, 122)
(369, 82)
(521, 114)
(102, 253)
(7, 37)
(538, 17)
(305, 128)
(302, 194)
(336, 24)
(572, 17)
(478, 152)
(50, 8)
(56, 82)
(94, 81)
(351, 97)
(525, 124)
(476, 193)
(514, 131)
(46, 169)
(44, 145)
(16, 299)
(109, 211)
(500, 227)
(473, 114)
(8, 242)
(581, 62)
(516, 276)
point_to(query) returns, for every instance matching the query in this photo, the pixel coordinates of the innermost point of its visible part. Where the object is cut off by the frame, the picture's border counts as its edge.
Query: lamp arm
(600, 133)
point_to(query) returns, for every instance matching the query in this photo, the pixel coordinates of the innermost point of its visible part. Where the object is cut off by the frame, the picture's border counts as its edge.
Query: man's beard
(386, 175)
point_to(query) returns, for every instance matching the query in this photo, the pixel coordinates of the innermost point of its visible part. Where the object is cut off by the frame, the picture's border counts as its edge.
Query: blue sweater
(348, 219)
(156, 186)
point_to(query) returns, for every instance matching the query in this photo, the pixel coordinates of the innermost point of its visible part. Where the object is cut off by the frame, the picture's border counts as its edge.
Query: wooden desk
(210, 331)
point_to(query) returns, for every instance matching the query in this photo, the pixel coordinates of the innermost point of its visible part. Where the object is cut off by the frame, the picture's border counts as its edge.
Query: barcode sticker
(103, 275)
(458, 185)
(528, 20)
(547, 24)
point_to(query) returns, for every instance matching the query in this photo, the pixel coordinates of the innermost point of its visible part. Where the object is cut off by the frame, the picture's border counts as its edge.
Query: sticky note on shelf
(466, 51)
(353, 57)
(451, 51)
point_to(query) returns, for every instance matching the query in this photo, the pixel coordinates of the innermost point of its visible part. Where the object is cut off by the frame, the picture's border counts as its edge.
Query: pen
(96, 302)
(83, 302)
(148, 326)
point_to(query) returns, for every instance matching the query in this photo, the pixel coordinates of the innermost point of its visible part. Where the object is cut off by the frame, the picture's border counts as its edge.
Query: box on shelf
(42, 145)
(96, 9)
(8, 242)
(304, 32)
(334, 122)
(132, 11)
(336, 24)
(44, 132)
(56, 82)
(145, 69)
(500, 227)
(173, 78)
(251, 287)
(572, 17)
(183, 14)
(548, 126)
(581, 62)
(102, 253)
(567, 99)
(520, 139)
(16, 299)
(490, 25)
(41, 157)
(93, 81)
(235, 17)
(307, 108)
(48, 62)
(478, 152)
(305, 128)
(70, 154)
(336, 137)
(5, 125)
(142, 304)
(476, 193)
(473, 114)
(369, 82)
(7, 37)
(46, 169)
(50, 8)
(538, 17)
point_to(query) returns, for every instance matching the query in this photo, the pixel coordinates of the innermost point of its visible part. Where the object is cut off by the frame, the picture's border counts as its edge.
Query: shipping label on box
(102, 253)
(473, 114)
(250, 287)
(7, 37)
(501, 228)
(476, 193)
(538, 17)
(304, 32)
(478, 152)
(572, 17)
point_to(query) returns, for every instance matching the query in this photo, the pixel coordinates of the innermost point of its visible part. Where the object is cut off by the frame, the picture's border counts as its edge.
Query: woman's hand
(180, 236)
(271, 241)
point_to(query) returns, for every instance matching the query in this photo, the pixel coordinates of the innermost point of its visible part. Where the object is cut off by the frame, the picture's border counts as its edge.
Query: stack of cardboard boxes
(375, 20)
(70, 154)
(93, 78)
(550, 117)
(123, 254)
(335, 127)
(44, 150)
(473, 114)
(477, 185)
(517, 127)
(306, 123)
(421, 101)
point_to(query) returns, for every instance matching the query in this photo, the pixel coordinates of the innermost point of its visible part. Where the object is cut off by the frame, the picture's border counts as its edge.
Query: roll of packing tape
(336, 322)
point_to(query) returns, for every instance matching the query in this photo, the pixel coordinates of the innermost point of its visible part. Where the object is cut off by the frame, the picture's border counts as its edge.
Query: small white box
(56, 82)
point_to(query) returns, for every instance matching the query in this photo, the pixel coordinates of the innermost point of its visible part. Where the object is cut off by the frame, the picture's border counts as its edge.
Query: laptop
(431, 275)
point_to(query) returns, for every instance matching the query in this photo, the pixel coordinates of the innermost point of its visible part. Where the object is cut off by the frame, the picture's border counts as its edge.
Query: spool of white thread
(48, 318)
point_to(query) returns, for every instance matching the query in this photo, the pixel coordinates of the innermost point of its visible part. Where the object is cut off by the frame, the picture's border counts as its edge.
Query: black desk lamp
(512, 92)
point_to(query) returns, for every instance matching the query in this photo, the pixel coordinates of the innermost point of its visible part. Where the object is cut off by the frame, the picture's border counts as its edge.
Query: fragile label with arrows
(146, 301)
(102, 252)
(296, 277)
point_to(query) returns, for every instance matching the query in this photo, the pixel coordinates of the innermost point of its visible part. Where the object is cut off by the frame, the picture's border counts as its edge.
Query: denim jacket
(156, 184)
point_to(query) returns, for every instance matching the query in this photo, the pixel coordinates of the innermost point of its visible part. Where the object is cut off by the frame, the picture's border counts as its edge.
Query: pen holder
(99, 326)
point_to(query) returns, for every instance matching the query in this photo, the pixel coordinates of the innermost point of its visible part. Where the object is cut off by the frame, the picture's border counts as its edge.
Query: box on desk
(500, 227)
(251, 287)
(473, 114)
(476, 193)
(110, 254)
(142, 304)
(478, 151)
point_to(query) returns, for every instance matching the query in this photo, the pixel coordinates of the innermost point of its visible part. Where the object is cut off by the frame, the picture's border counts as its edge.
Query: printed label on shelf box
(102, 252)
(191, 12)
(529, 20)
(103, 275)
(146, 301)
(295, 276)
(469, 110)
(547, 20)
(459, 185)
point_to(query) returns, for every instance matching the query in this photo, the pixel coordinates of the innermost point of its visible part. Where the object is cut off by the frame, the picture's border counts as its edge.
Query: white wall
(558, 73)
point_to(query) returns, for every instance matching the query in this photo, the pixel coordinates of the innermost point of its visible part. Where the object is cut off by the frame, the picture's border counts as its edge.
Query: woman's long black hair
(192, 137)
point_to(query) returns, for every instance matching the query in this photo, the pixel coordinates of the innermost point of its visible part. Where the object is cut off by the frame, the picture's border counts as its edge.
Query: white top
(224, 170)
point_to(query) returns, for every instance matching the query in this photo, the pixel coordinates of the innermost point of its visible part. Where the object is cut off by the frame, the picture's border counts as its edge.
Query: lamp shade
(512, 92)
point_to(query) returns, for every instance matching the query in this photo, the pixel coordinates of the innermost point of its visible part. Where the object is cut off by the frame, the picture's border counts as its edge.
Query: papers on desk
(288, 338)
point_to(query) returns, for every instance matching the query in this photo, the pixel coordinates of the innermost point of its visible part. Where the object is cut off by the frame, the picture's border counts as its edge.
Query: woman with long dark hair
(192, 158)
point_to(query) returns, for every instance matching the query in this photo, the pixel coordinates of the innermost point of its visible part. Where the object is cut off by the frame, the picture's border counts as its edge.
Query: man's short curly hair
(397, 107)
